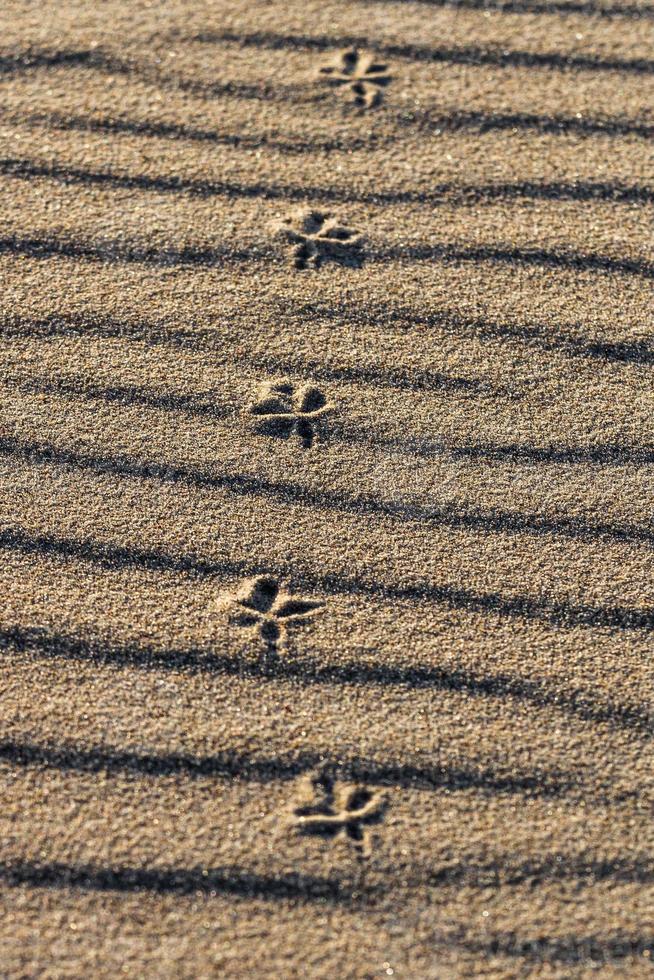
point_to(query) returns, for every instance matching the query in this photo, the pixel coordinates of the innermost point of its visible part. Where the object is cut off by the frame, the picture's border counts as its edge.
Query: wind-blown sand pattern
(327, 468)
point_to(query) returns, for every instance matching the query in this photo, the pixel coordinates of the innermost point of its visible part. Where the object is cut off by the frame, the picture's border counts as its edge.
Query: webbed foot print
(332, 810)
(262, 605)
(359, 76)
(318, 237)
(283, 410)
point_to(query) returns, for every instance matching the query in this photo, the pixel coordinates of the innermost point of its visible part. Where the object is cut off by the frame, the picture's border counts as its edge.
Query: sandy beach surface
(326, 482)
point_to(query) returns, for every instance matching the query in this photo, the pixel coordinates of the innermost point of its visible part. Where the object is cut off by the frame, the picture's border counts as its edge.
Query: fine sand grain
(326, 483)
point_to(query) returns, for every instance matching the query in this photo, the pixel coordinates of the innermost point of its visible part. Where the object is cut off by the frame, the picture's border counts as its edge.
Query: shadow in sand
(118, 251)
(580, 703)
(554, 60)
(447, 193)
(571, 949)
(230, 764)
(157, 129)
(587, 8)
(571, 260)
(177, 881)
(204, 406)
(484, 121)
(569, 340)
(484, 521)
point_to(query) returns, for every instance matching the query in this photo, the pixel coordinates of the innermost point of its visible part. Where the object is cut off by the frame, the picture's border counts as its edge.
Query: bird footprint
(318, 237)
(357, 75)
(283, 410)
(332, 810)
(261, 604)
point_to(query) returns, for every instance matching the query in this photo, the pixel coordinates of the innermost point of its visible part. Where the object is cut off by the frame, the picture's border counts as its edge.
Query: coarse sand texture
(326, 489)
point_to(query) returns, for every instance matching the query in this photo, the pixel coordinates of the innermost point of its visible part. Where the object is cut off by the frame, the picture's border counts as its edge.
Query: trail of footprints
(318, 236)
(324, 807)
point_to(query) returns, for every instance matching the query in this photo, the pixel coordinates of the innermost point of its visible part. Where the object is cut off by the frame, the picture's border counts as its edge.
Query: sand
(327, 466)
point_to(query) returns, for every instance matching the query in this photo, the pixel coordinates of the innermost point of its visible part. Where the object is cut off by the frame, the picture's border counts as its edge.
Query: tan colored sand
(474, 515)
